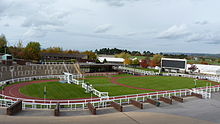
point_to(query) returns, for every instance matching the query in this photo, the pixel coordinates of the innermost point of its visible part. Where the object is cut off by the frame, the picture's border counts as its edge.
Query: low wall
(14, 108)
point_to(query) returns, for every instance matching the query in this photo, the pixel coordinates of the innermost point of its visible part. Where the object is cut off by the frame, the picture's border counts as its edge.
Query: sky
(154, 25)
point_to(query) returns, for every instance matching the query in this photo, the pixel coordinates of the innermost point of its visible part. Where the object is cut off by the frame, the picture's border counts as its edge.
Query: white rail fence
(6, 101)
(70, 78)
(143, 72)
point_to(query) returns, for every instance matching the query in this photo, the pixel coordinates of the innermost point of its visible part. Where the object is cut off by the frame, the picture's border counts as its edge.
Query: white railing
(6, 101)
(70, 78)
(143, 72)
(29, 79)
(102, 102)
(133, 71)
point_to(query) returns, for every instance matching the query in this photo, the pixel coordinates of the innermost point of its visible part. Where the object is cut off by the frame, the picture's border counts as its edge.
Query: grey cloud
(174, 32)
(6, 25)
(116, 3)
(207, 37)
(103, 28)
(201, 22)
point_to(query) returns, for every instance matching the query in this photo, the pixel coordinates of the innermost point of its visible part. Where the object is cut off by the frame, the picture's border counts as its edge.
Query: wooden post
(153, 102)
(176, 98)
(137, 104)
(14, 108)
(92, 108)
(166, 100)
(57, 110)
(117, 106)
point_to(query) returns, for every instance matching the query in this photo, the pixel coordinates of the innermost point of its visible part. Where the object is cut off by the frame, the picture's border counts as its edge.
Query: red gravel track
(14, 91)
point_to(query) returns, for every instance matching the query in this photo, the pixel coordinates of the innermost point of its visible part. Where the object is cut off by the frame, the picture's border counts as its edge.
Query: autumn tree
(91, 55)
(3, 43)
(53, 50)
(17, 51)
(157, 59)
(32, 51)
(123, 55)
(135, 62)
(127, 61)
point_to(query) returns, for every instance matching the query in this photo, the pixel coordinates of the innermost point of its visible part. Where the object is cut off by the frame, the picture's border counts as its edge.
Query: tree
(17, 51)
(145, 63)
(123, 55)
(97, 61)
(91, 55)
(152, 63)
(135, 62)
(32, 51)
(127, 61)
(104, 61)
(53, 50)
(3, 43)
(156, 59)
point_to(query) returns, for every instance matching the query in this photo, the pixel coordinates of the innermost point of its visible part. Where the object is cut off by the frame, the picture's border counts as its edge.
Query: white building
(207, 69)
(111, 59)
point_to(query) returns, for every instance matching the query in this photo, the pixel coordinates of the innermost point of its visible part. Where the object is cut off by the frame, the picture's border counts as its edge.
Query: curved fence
(6, 101)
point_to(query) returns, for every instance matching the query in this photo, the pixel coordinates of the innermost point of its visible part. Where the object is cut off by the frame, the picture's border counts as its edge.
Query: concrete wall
(33, 70)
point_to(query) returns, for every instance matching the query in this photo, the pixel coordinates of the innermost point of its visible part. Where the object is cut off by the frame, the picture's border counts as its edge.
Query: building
(111, 60)
(7, 59)
(62, 56)
(207, 69)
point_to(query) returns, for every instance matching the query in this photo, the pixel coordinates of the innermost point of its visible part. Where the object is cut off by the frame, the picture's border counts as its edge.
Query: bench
(14, 108)
(166, 100)
(57, 110)
(92, 108)
(153, 102)
(176, 98)
(116, 106)
(137, 104)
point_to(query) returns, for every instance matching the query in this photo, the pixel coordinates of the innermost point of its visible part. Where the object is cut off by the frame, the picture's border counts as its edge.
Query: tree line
(33, 49)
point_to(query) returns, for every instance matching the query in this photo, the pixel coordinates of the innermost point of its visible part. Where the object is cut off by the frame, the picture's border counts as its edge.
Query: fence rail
(6, 101)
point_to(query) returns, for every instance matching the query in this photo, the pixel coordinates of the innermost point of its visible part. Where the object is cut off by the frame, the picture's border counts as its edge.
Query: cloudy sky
(155, 25)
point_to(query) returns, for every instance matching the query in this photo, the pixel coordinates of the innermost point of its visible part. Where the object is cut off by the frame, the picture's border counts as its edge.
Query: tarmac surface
(192, 111)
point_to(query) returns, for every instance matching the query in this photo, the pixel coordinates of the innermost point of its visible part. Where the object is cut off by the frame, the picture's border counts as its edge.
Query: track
(13, 90)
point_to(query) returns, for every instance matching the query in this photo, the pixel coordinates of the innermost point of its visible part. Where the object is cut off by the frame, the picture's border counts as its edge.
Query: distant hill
(195, 54)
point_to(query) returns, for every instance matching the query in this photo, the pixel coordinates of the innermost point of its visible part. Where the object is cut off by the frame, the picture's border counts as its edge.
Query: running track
(14, 91)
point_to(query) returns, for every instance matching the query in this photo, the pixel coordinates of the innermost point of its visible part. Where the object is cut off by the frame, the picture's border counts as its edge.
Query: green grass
(161, 82)
(55, 90)
(104, 85)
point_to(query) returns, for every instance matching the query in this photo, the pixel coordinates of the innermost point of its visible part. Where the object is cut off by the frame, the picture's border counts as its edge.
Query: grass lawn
(161, 82)
(105, 85)
(55, 90)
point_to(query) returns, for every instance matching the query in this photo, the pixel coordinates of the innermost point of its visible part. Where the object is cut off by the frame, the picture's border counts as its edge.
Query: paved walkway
(192, 111)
